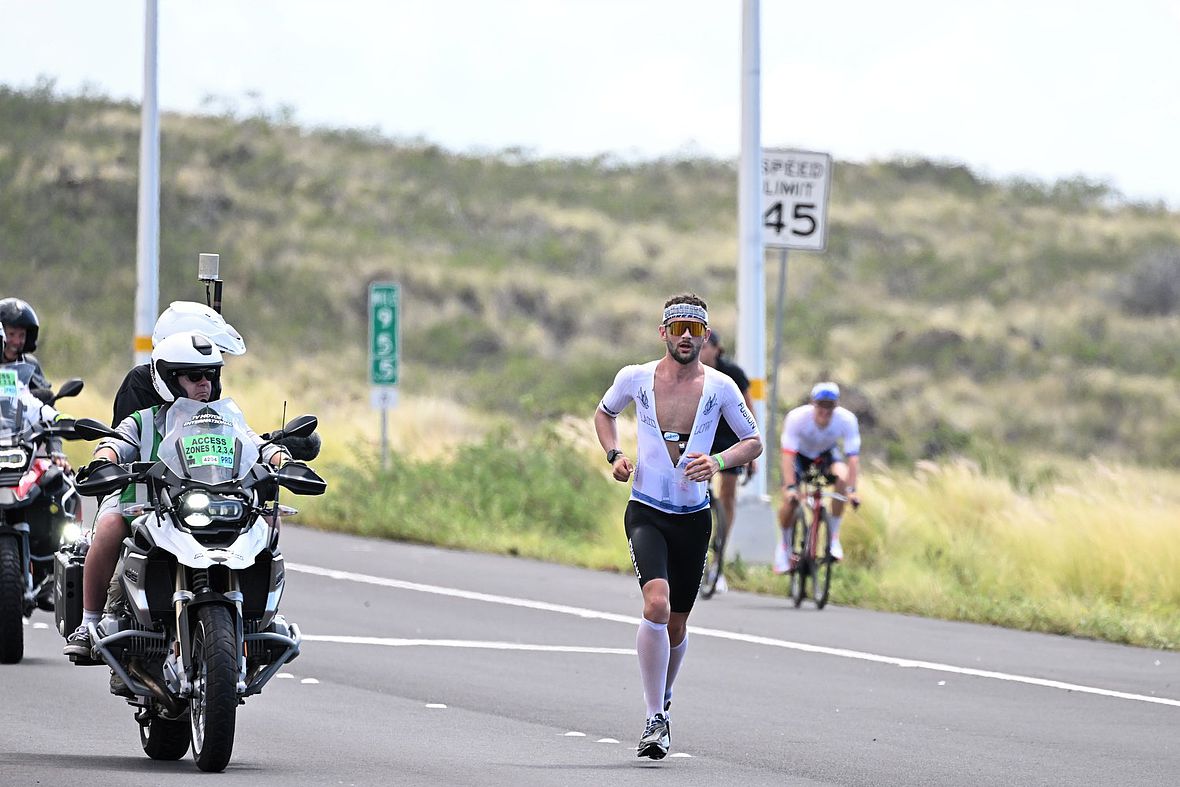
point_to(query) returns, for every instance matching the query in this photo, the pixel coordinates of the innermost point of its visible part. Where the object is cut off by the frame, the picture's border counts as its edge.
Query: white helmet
(179, 353)
(192, 316)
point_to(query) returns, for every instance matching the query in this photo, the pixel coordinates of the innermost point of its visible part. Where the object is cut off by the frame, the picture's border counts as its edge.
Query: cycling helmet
(15, 312)
(178, 353)
(192, 316)
(825, 392)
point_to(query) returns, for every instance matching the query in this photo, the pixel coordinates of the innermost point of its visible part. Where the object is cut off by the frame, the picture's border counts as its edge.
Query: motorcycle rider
(137, 392)
(42, 512)
(184, 365)
(21, 327)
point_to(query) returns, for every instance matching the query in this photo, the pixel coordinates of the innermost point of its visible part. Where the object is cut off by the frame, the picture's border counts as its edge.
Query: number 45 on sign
(795, 187)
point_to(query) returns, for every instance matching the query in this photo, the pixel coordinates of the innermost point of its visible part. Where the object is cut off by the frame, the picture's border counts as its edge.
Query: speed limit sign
(795, 187)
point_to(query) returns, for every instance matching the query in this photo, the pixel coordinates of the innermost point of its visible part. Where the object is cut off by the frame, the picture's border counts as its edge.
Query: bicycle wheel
(715, 559)
(799, 575)
(822, 564)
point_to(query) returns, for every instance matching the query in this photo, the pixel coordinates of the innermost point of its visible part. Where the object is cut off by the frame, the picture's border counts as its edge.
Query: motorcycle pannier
(67, 590)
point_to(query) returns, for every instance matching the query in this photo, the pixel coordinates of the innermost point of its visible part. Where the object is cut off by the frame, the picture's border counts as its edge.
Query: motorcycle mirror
(71, 387)
(301, 426)
(300, 479)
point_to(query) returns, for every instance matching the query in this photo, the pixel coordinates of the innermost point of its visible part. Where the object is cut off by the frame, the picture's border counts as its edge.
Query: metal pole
(147, 250)
(771, 431)
(751, 349)
(384, 438)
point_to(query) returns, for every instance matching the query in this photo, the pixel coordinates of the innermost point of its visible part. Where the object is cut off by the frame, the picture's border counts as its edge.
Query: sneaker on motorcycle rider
(79, 643)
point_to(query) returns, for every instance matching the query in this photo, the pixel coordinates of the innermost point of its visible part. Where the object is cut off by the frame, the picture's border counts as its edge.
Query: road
(429, 666)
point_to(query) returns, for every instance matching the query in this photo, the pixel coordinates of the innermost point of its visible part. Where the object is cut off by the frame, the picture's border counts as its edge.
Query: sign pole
(771, 427)
(751, 292)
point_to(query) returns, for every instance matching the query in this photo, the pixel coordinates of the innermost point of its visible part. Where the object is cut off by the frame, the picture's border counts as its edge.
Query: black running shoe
(78, 644)
(655, 740)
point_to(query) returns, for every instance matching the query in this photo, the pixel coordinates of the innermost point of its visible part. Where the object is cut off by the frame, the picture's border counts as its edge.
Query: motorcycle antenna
(208, 271)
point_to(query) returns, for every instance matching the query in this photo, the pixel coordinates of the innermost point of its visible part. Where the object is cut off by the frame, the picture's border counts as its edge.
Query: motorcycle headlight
(70, 532)
(200, 509)
(14, 458)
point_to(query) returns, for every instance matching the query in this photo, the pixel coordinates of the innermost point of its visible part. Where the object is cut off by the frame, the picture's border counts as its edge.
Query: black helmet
(15, 312)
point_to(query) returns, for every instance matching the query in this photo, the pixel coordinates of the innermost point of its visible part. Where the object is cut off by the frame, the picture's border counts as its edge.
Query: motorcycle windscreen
(207, 441)
(14, 416)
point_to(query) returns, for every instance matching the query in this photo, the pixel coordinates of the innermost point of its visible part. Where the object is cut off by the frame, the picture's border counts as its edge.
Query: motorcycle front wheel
(214, 706)
(12, 600)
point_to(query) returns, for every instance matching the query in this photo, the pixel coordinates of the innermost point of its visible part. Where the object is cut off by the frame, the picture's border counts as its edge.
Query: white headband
(686, 311)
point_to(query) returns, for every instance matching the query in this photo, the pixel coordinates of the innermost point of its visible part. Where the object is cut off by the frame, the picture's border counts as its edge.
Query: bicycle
(715, 558)
(812, 540)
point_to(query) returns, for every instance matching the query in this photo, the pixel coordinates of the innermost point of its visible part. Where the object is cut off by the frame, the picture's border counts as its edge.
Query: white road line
(803, 647)
(396, 642)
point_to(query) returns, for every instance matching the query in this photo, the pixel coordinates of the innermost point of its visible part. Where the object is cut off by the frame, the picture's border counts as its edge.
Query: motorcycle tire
(214, 706)
(165, 739)
(12, 601)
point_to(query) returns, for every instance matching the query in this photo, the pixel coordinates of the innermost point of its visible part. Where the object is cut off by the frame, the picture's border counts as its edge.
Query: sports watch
(612, 455)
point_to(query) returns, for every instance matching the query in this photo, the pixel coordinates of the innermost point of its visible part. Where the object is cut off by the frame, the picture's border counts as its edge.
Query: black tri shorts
(671, 547)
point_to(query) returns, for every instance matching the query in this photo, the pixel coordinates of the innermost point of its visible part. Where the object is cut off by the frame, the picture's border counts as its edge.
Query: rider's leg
(109, 531)
(840, 470)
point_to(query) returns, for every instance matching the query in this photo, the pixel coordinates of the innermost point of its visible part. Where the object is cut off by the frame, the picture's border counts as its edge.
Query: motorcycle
(196, 629)
(38, 505)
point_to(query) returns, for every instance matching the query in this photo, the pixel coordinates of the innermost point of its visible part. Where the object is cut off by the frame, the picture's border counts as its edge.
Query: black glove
(44, 394)
(302, 448)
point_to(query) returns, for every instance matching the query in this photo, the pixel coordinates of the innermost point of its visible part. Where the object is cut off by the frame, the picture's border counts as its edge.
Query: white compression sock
(675, 657)
(91, 617)
(651, 642)
(835, 521)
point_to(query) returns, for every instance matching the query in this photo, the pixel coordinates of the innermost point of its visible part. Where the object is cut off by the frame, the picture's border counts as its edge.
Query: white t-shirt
(802, 435)
(657, 482)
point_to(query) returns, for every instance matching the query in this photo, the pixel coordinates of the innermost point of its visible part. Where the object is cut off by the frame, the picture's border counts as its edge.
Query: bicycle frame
(814, 560)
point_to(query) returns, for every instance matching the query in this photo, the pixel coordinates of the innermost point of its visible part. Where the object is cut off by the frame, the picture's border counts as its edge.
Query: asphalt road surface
(428, 666)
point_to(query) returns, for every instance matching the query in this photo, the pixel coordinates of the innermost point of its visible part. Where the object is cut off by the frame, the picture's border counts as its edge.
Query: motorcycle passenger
(137, 391)
(183, 365)
(21, 327)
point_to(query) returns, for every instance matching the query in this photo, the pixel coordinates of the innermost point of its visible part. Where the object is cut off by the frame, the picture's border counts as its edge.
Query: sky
(1042, 89)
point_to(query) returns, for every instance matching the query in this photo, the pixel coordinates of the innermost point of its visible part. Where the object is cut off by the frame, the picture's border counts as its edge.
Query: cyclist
(713, 354)
(809, 439)
(679, 402)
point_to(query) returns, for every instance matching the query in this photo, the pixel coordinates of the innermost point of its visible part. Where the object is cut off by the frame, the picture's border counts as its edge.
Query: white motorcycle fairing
(192, 553)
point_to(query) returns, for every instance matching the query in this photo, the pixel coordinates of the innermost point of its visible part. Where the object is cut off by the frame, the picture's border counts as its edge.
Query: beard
(683, 357)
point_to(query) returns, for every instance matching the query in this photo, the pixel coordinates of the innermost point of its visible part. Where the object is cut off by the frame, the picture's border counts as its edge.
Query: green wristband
(720, 461)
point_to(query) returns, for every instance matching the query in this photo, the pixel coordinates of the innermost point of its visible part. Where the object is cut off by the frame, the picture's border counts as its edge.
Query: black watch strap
(612, 455)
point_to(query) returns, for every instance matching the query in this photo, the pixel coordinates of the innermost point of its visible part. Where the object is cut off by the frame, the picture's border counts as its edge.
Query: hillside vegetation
(962, 315)
(1005, 343)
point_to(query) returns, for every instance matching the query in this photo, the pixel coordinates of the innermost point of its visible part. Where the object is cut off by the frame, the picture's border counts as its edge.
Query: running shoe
(656, 739)
(837, 551)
